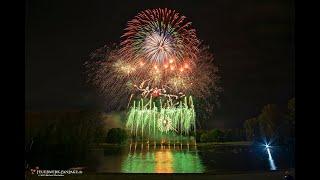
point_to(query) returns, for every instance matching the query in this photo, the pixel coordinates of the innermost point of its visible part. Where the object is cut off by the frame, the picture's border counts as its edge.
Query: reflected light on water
(271, 162)
(162, 160)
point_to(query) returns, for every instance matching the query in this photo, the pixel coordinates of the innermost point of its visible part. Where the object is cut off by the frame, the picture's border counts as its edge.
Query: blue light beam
(271, 162)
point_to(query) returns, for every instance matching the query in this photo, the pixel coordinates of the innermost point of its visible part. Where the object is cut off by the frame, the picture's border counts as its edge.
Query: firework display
(147, 120)
(159, 57)
(160, 36)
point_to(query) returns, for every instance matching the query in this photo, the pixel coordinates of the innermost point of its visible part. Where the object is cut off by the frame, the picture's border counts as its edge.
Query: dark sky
(252, 42)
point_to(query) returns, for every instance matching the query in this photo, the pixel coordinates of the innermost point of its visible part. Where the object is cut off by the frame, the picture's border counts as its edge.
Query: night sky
(252, 42)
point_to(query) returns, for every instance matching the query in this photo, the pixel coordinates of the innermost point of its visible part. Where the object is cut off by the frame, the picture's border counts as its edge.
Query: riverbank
(231, 143)
(206, 145)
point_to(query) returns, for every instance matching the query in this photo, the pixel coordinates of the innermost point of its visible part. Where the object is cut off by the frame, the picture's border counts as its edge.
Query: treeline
(272, 123)
(217, 135)
(54, 137)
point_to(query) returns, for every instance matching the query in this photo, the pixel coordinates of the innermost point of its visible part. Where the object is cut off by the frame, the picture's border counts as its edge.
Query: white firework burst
(158, 47)
(165, 124)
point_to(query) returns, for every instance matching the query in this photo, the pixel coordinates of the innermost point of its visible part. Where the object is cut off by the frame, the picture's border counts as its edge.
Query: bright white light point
(170, 61)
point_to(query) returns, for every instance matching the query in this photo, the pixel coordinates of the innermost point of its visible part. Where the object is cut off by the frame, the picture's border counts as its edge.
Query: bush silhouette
(116, 136)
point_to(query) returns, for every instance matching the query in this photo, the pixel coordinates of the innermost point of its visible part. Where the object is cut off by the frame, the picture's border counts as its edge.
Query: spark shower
(156, 72)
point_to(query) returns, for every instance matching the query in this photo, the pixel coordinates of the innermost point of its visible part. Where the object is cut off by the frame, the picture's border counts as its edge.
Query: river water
(189, 159)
